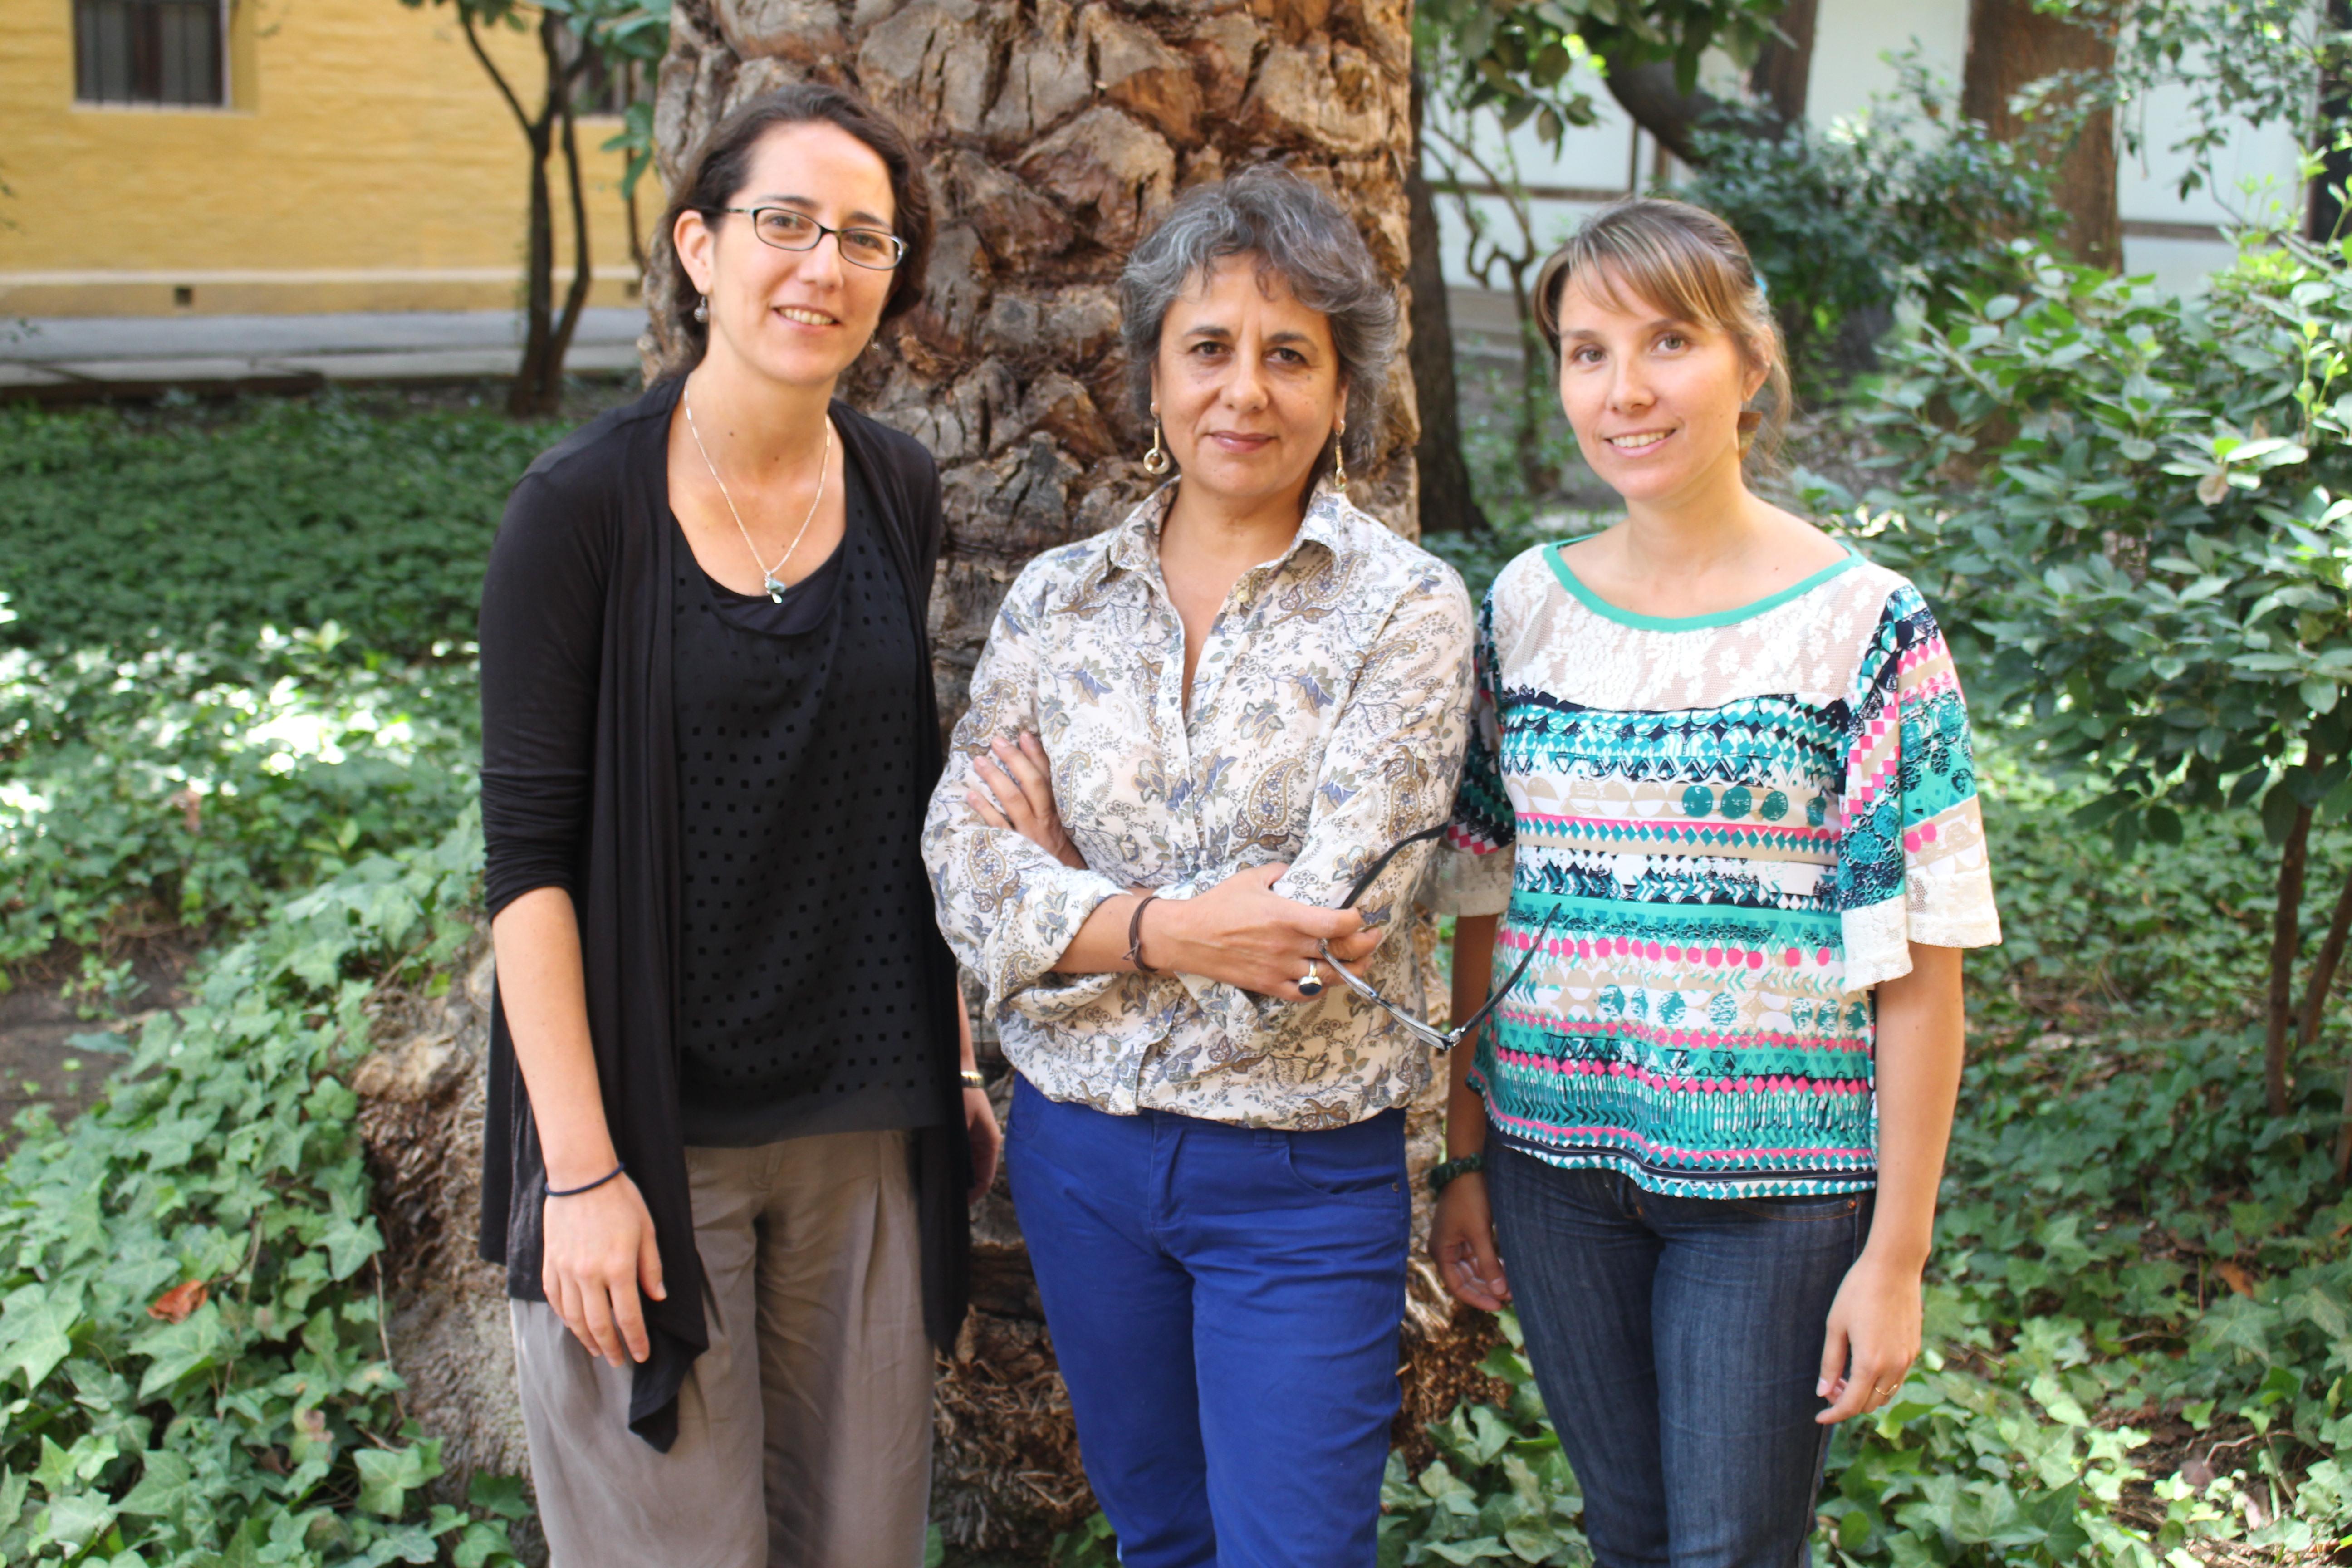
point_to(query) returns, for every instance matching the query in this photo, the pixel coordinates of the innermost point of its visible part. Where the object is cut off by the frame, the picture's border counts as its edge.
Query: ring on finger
(1311, 982)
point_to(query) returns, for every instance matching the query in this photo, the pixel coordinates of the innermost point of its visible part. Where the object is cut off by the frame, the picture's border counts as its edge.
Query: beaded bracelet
(1439, 1176)
(575, 1191)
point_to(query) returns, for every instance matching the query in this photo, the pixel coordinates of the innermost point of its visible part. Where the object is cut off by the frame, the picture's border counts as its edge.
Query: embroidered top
(1327, 719)
(1737, 823)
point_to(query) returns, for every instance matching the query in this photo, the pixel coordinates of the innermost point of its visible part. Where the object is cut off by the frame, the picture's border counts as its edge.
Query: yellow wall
(365, 164)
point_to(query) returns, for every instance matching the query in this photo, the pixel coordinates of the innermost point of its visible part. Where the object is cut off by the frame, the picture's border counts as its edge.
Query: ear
(1343, 396)
(1755, 369)
(694, 242)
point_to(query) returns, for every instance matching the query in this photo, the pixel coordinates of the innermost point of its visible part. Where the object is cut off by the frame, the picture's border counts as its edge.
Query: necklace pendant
(775, 590)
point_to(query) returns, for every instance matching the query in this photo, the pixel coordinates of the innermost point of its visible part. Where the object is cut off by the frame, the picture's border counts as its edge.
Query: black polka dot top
(801, 1002)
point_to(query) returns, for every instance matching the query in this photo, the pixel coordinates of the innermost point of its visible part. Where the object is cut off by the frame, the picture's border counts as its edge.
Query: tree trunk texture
(447, 1326)
(2286, 941)
(2323, 206)
(1447, 503)
(2012, 45)
(1056, 135)
(1783, 73)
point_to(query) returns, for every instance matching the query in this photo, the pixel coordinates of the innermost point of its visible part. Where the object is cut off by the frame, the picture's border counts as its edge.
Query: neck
(753, 423)
(1713, 520)
(1248, 530)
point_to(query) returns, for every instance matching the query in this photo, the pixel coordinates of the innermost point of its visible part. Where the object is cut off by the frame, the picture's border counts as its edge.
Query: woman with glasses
(1719, 789)
(1188, 737)
(733, 1118)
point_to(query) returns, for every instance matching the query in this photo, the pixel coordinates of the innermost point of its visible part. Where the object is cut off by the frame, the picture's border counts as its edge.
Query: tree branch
(498, 77)
(2287, 938)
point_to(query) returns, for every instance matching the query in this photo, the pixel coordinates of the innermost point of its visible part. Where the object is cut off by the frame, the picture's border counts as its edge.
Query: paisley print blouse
(1327, 720)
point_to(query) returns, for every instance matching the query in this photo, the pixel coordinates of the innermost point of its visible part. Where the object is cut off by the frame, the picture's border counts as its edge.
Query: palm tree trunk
(1056, 135)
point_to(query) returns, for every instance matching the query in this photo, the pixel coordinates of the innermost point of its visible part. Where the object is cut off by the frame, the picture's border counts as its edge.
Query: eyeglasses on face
(785, 229)
(1436, 1038)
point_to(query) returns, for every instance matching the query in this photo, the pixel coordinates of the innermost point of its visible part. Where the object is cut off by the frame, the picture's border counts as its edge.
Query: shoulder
(1052, 580)
(1881, 606)
(886, 449)
(594, 463)
(1526, 583)
(1386, 560)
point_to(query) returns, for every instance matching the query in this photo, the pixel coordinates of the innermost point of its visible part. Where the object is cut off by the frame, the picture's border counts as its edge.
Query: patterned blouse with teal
(1737, 823)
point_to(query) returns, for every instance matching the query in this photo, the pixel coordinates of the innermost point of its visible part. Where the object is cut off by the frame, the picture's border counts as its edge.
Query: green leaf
(162, 1488)
(388, 1476)
(179, 1350)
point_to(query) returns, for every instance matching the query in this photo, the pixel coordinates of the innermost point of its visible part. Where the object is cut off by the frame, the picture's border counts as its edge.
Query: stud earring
(1339, 458)
(702, 309)
(1156, 461)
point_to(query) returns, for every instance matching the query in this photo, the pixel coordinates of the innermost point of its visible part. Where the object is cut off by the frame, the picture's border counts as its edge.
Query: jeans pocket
(1799, 1210)
(1345, 1165)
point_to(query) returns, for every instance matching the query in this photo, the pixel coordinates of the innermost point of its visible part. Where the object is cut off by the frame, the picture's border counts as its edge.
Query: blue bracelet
(575, 1191)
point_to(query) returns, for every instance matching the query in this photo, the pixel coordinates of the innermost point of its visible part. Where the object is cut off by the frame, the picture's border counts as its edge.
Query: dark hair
(719, 168)
(1294, 232)
(1689, 261)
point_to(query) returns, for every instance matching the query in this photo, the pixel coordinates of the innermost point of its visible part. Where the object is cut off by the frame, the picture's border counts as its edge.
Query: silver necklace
(774, 589)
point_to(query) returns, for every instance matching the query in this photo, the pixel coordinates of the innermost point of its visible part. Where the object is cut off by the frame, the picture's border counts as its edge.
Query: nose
(1629, 390)
(1245, 383)
(822, 263)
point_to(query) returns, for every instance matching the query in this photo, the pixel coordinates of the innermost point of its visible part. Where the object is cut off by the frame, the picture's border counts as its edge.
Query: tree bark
(2012, 45)
(1447, 503)
(1649, 94)
(2323, 971)
(1783, 72)
(2286, 939)
(2324, 208)
(1055, 135)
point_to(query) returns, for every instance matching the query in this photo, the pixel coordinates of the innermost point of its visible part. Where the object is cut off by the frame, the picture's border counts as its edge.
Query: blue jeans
(1225, 1303)
(1676, 1342)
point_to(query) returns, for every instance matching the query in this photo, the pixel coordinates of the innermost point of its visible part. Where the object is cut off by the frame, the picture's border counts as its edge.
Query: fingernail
(1822, 1388)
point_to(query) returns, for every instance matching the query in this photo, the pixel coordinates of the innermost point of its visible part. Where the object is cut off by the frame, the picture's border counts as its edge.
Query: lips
(1636, 440)
(806, 317)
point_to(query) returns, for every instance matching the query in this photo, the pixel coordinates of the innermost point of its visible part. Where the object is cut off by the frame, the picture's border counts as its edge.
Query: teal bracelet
(1441, 1174)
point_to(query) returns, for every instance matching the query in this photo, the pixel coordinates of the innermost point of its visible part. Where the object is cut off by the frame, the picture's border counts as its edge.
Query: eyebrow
(1664, 323)
(1285, 338)
(860, 218)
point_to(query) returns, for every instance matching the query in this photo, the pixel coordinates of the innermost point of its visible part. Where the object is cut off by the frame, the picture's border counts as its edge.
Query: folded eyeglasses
(1437, 1039)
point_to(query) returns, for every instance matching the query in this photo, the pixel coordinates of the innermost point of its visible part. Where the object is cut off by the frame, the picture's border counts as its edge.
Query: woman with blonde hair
(1719, 773)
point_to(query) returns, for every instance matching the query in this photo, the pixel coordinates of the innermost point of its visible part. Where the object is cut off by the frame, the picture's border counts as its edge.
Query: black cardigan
(580, 792)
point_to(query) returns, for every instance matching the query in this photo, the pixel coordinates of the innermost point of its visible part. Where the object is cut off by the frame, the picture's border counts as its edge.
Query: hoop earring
(702, 309)
(1156, 461)
(1339, 458)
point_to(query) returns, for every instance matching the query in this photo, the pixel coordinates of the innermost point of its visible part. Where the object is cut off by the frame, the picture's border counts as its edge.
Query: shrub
(190, 1320)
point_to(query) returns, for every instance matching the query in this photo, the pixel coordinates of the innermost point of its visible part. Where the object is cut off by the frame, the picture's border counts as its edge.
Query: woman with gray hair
(1191, 738)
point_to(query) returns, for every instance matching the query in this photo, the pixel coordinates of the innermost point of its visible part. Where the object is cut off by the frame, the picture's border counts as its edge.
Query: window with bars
(149, 51)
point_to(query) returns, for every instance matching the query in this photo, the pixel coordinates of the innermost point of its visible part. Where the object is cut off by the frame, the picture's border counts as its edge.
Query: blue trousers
(1676, 1342)
(1224, 1304)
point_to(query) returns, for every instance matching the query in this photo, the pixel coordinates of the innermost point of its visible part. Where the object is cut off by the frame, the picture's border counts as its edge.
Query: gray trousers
(804, 1431)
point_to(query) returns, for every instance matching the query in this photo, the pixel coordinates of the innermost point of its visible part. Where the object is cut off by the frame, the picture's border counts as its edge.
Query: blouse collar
(1134, 543)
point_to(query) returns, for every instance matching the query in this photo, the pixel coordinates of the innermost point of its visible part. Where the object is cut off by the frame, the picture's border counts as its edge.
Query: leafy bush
(131, 530)
(191, 1326)
(167, 755)
(166, 789)
(1908, 199)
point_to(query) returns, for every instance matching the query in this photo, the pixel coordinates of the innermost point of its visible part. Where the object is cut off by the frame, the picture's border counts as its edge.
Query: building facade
(165, 157)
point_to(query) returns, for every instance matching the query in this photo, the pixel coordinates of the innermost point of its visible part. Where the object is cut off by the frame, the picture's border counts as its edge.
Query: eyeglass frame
(1439, 1040)
(898, 254)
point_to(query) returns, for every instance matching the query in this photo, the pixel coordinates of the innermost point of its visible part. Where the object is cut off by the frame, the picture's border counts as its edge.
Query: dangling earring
(702, 309)
(1751, 421)
(1156, 461)
(1340, 459)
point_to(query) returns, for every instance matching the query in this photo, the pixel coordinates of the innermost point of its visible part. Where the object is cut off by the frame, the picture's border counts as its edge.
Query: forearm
(1921, 1039)
(1474, 962)
(1100, 946)
(544, 995)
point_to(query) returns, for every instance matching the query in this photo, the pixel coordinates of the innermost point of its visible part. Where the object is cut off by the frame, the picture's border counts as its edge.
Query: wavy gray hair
(1298, 234)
